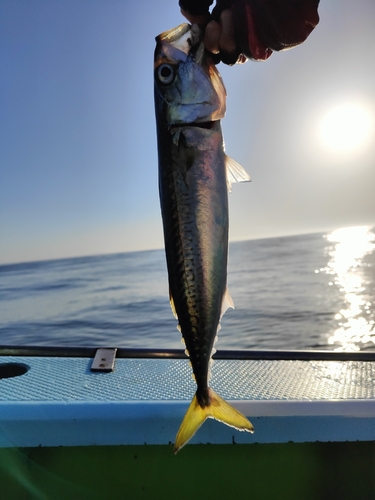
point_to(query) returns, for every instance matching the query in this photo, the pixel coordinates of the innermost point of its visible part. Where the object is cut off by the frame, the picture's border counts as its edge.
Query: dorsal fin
(235, 172)
(173, 307)
(171, 301)
(226, 304)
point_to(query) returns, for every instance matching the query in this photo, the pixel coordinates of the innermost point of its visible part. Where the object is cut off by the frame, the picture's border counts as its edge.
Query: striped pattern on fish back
(195, 218)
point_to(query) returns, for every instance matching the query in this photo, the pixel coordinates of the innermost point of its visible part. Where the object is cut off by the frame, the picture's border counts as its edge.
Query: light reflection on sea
(348, 249)
(293, 292)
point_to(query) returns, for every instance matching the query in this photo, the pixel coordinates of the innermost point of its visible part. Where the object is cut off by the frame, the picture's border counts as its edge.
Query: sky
(78, 157)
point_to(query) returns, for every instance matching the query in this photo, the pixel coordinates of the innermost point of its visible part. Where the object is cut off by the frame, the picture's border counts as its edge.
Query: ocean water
(294, 292)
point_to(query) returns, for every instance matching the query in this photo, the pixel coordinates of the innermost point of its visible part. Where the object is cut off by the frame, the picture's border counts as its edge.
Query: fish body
(194, 173)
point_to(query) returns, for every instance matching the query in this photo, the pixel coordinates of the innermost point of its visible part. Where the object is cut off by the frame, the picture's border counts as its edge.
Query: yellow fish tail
(219, 409)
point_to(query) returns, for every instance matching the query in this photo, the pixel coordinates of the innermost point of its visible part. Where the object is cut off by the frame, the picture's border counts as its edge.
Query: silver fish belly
(194, 203)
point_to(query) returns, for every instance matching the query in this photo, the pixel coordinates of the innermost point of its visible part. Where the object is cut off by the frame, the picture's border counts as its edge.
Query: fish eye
(165, 73)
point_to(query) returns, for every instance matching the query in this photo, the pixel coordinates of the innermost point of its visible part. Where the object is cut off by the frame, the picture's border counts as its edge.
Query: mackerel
(194, 177)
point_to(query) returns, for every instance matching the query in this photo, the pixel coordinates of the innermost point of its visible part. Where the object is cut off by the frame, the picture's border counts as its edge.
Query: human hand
(241, 29)
(219, 36)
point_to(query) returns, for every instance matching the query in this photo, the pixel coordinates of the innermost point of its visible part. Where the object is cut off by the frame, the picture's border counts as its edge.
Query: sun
(346, 127)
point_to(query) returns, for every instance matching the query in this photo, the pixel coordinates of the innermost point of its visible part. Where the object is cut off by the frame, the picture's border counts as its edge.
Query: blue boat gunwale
(140, 353)
(88, 416)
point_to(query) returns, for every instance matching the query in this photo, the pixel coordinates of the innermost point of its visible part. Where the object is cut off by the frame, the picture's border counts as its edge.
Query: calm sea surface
(295, 292)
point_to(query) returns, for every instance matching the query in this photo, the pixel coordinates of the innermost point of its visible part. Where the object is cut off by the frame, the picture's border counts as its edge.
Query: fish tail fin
(219, 409)
(193, 419)
(226, 413)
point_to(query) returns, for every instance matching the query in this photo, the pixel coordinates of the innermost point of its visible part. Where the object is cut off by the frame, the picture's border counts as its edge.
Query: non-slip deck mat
(70, 379)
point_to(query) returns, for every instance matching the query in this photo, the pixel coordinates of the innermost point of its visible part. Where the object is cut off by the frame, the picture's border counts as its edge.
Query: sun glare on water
(346, 127)
(347, 250)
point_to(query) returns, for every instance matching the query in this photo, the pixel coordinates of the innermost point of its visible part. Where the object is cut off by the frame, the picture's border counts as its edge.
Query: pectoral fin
(235, 172)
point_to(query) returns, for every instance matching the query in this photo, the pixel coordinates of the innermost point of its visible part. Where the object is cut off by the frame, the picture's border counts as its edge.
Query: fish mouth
(184, 37)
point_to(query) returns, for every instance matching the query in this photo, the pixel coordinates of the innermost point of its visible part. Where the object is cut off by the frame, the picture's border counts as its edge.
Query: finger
(226, 40)
(212, 37)
(241, 59)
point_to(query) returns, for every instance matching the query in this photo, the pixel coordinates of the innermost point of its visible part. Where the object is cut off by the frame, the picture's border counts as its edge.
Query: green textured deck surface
(305, 471)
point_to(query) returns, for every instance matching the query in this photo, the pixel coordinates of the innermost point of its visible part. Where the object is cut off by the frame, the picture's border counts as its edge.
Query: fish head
(188, 87)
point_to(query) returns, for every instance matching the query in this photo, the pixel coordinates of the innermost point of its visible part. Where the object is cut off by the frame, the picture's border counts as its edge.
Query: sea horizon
(311, 291)
(231, 241)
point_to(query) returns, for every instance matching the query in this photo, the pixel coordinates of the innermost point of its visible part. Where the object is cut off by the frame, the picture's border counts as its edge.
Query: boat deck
(60, 401)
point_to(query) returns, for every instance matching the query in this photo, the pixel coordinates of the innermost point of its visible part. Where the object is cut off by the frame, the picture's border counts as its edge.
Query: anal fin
(227, 303)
